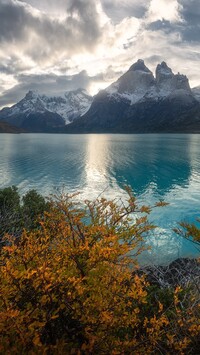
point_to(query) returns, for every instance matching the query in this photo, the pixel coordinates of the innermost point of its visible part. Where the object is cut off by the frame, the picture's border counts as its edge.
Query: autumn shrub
(190, 231)
(73, 286)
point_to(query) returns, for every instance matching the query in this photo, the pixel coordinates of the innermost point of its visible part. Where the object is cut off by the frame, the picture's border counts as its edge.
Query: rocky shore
(182, 272)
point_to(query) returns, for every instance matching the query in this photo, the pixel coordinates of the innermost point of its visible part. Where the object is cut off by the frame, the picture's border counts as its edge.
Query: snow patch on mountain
(69, 106)
(196, 92)
(134, 84)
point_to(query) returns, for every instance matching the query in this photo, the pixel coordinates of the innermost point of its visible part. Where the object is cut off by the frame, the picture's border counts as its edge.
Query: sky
(53, 46)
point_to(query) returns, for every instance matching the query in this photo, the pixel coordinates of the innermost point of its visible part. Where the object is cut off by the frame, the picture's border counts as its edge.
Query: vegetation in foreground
(70, 282)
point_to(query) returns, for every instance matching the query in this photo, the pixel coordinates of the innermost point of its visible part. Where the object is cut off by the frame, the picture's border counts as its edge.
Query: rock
(180, 272)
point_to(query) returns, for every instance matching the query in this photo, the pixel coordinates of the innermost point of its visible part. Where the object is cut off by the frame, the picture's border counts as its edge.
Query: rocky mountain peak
(163, 72)
(134, 84)
(182, 82)
(169, 82)
(163, 67)
(139, 65)
(31, 94)
(77, 94)
(139, 83)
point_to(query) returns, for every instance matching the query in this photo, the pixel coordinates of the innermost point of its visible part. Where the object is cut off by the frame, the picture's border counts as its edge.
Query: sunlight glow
(164, 9)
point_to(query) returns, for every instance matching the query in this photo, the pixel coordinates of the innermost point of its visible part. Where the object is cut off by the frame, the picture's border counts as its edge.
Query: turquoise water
(157, 166)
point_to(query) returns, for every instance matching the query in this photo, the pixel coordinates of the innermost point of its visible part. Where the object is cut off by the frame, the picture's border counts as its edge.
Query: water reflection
(44, 162)
(156, 167)
(152, 161)
(97, 180)
(96, 164)
(146, 162)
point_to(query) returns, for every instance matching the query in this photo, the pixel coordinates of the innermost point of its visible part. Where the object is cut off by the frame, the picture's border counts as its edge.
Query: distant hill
(6, 128)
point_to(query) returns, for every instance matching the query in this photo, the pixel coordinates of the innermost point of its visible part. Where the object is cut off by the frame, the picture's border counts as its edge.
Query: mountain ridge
(53, 112)
(136, 102)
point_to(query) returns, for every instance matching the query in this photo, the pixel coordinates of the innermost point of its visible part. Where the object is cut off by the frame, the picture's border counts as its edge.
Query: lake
(156, 166)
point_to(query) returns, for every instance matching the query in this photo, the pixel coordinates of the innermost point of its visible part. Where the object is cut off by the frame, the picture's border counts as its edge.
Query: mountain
(40, 113)
(196, 92)
(6, 128)
(140, 102)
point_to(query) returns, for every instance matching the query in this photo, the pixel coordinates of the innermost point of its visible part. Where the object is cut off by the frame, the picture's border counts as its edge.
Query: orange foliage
(70, 287)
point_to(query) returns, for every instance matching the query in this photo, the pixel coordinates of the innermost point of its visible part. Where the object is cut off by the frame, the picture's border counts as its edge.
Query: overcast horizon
(55, 46)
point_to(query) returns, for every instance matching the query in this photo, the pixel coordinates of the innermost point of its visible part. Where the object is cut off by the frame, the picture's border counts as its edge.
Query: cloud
(40, 36)
(13, 19)
(53, 46)
(51, 84)
(46, 83)
(190, 12)
(162, 25)
(48, 6)
(181, 16)
(119, 9)
(163, 9)
(55, 85)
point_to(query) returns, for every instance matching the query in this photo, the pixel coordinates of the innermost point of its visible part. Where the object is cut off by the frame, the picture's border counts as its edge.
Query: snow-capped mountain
(141, 102)
(137, 102)
(139, 84)
(134, 84)
(55, 111)
(71, 105)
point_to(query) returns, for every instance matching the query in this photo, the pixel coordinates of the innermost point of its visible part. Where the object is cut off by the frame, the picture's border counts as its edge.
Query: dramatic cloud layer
(55, 46)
